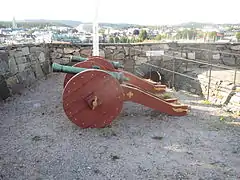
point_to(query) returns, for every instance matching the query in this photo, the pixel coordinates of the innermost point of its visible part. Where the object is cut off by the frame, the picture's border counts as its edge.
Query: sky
(147, 12)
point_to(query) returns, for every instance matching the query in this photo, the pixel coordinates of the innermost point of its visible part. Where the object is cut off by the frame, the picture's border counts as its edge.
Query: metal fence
(208, 62)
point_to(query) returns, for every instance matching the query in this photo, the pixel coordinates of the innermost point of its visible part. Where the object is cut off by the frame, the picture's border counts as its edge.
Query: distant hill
(32, 23)
(200, 25)
(194, 25)
(76, 23)
(68, 23)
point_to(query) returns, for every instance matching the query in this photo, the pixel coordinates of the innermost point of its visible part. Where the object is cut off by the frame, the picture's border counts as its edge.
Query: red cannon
(93, 98)
(103, 64)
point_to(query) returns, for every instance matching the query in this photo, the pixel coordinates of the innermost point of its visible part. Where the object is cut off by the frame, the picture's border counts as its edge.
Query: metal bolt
(74, 83)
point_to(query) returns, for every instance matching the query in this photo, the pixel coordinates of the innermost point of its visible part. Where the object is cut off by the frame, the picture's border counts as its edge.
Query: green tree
(213, 35)
(158, 37)
(117, 40)
(143, 35)
(238, 36)
(111, 39)
(123, 39)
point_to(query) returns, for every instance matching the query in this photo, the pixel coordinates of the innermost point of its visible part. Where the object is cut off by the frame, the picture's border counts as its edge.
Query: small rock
(114, 157)
(37, 105)
(36, 138)
(157, 137)
(96, 171)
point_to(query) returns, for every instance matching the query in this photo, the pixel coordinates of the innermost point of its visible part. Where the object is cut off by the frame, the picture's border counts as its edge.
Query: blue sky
(150, 12)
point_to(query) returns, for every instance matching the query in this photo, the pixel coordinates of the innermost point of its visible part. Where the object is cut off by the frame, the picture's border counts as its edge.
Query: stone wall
(132, 55)
(21, 66)
(24, 64)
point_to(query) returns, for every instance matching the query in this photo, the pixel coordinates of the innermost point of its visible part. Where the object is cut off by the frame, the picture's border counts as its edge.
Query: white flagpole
(95, 31)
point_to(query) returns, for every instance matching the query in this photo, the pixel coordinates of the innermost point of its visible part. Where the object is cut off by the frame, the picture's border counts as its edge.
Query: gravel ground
(39, 142)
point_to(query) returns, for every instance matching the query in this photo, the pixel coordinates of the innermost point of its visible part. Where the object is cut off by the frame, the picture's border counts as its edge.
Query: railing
(208, 62)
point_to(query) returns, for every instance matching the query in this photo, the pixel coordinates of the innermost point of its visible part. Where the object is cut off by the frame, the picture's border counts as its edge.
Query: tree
(143, 35)
(111, 39)
(136, 32)
(123, 39)
(117, 39)
(101, 31)
(238, 36)
(213, 35)
(158, 37)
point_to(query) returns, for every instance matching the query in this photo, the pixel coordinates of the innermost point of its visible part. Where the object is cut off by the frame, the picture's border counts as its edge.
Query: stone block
(25, 51)
(167, 58)
(86, 52)
(11, 81)
(41, 57)
(18, 54)
(164, 46)
(22, 67)
(13, 68)
(68, 50)
(191, 55)
(26, 77)
(216, 56)
(21, 60)
(111, 47)
(101, 53)
(155, 47)
(146, 48)
(126, 49)
(3, 63)
(140, 60)
(4, 91)
(75, 53)
(38, 70)
(235, 48)
(63, 61)
(58, 50)
(33, 57)
(119, 56)
(36, 49)
(12, 52)
(55, 55)
(46, 67)
(184, 55)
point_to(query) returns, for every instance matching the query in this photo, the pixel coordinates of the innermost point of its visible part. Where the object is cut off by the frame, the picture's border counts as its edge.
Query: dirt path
(39, 142)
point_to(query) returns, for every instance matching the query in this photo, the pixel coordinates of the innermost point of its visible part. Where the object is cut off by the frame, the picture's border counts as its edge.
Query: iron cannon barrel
(74, 70)
(115, 64)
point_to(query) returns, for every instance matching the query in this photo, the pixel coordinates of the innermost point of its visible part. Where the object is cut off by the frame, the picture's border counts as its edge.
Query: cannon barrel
(115, 64)
(74, 70)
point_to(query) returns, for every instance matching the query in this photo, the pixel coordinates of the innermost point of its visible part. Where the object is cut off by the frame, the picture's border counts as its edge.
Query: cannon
(93, 98)
(101, 63)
